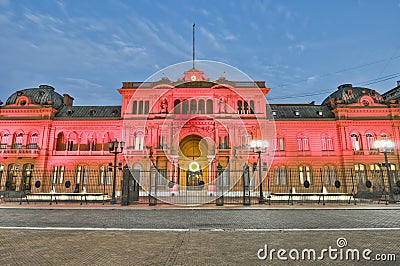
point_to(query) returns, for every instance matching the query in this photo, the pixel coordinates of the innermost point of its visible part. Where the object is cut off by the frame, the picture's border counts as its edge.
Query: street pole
(113, 199)
(261, 199)
(391, 196)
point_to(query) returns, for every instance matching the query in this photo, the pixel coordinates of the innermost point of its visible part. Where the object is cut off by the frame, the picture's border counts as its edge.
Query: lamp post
(115, 148)
(386, 146)
(259, 146)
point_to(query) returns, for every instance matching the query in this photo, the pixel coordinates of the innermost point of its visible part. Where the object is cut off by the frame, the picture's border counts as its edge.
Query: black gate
(130, 186)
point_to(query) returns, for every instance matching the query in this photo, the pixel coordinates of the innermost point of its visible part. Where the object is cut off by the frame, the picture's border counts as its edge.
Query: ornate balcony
(19, 150)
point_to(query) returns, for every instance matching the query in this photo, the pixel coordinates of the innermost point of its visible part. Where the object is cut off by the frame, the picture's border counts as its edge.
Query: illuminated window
(329, 175)
(305, 174)
(102, 174)
(78, 176)
(360, 171)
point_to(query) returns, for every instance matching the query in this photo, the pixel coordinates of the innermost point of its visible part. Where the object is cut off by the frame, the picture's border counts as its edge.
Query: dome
(349, 94)
(44, 95)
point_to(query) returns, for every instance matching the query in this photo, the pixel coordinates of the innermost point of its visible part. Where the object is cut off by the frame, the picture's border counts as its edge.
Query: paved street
(192, 236)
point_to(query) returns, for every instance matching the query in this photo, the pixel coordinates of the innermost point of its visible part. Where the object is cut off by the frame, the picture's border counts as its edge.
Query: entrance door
(12, 177)
(193, 151)
(27, 177)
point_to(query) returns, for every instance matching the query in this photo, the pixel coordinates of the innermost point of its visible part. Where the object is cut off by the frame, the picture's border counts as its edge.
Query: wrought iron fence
(233, 187)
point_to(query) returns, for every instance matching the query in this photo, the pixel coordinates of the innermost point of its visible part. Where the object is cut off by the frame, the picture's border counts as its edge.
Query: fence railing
(278, 186)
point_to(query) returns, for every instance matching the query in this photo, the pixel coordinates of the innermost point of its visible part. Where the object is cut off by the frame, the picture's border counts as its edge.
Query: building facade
(189, 127)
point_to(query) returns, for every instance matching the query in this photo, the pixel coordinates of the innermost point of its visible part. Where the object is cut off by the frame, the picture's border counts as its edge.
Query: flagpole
(193, 47)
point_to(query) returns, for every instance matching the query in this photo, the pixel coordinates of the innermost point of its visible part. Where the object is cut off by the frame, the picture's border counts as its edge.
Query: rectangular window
(281, 144)
(78, 174)
(61, 175)
(102, 175)
(85, 175)
(109, 176)
(146, 107)
(54, 174)
(283, 175)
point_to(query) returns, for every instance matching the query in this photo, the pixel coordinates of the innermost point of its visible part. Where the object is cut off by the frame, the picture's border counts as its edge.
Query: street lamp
(259, 146)
(386, 146)
(115, 148)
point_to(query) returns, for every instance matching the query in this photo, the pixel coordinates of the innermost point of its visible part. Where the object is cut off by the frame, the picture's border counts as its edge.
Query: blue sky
(300, 48)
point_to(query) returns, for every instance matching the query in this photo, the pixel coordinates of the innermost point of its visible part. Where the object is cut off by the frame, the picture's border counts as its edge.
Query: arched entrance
(193, 163)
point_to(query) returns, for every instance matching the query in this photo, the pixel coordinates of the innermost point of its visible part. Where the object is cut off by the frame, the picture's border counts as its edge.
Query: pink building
(192, 127)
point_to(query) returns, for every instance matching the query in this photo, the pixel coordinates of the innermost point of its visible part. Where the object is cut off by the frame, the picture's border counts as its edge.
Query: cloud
(290, 36)
(80, 83)
(228, 36)
(210, 37)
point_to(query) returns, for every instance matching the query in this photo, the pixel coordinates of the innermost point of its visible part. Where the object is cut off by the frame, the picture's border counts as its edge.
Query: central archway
(193, 151)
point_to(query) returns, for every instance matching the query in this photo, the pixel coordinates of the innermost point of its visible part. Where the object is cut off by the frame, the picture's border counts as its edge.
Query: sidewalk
(145, 206)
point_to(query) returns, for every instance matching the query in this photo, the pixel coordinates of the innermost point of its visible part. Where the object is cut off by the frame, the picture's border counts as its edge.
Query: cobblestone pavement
(88, 236)
(32, 247)
(202, 218)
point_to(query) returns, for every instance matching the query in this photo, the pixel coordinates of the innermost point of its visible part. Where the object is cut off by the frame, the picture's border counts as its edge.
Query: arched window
(33, 139)
(4, 140)
(177, 106)
(209, 106)
(302, 143)
(72, 142)
(193, 106)
(60, 146)
(185, 106)
(355, 141)
(18, 137)
(202, 107)
(370, 141)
